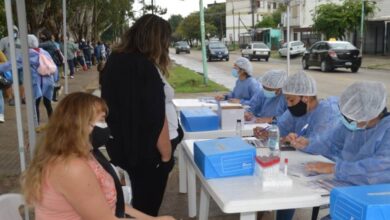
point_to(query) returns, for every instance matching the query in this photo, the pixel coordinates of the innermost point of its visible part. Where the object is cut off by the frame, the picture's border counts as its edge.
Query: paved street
(329, 84)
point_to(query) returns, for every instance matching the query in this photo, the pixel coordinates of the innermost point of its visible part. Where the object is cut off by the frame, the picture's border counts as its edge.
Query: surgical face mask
(235, 73)
(352, 125)
(15, 35)
(269, 94)
(299, 109)
(100, 134)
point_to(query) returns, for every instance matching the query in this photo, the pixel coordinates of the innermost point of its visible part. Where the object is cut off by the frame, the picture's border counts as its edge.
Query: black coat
(134, 92)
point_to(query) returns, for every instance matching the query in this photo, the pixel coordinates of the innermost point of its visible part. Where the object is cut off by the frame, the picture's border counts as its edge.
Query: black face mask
(100, 135)
(299, 109)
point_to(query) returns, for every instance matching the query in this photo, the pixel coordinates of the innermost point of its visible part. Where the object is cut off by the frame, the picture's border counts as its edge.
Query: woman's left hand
(320, 167)
(299, 143)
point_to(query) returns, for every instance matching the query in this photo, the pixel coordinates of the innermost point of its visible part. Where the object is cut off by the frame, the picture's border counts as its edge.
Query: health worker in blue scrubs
(246, 85)
(268, 104)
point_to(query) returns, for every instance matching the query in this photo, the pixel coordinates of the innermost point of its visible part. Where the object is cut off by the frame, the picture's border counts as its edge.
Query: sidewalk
(9, 157)
(376, 62)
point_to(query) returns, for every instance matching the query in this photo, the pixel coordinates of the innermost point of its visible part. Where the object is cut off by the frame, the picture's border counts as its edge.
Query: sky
(174, 7)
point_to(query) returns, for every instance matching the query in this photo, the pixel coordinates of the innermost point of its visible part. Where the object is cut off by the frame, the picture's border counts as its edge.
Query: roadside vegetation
(184, 80)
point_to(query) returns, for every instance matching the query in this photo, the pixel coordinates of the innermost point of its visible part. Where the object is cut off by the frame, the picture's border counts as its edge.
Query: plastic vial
(239, 128)
(273, 140)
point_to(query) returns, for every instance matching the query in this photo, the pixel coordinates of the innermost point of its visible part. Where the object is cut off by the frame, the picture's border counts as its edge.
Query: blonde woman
(64, 180)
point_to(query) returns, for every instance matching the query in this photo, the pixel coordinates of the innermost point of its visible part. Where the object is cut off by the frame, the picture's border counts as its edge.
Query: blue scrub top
(319, 120)
(263, 107)
(245, 90)
(362, 157)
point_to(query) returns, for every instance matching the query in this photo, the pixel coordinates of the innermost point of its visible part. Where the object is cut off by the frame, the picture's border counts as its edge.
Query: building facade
(243, 15)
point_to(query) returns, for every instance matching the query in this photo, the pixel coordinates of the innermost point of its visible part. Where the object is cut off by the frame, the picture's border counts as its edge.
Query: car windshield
(260, 46)
(217, 45)
(296, 43)
(182, 43)
(342, 46)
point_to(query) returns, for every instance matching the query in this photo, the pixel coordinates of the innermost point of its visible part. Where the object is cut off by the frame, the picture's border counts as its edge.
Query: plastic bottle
(273, 140)
(239, 128)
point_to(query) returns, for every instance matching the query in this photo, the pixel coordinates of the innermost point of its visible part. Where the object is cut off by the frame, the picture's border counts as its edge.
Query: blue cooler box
(360, 202)
(224, 157)
(199, 119)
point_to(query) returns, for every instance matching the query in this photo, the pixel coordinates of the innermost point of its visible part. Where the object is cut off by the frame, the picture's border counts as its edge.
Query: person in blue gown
(246, 85)
(269, 103)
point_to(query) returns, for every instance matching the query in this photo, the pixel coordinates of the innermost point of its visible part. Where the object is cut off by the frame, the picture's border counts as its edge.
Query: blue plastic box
(360, 202)
(224, 157)
(199, 119)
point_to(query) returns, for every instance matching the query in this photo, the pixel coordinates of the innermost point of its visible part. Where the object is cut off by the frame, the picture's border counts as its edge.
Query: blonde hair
(66, 136)
(150, 35)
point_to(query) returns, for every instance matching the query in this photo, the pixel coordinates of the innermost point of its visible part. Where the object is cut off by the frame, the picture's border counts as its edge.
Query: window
(274, 5)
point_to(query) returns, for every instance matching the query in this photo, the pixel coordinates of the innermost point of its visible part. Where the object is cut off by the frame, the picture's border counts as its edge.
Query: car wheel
(324, 66)
(354, 69)
(177, 52)
(266, 59)
(208, 59)
(304, 64)
(227, 59)
(280, 54)
(258, 59)
(188, 52)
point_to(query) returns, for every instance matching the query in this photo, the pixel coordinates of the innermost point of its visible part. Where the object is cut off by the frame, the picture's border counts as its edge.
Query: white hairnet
(32, 41)
(245, 64)
(16, 29)
(363, 101)
(274, 79)
(300, 84)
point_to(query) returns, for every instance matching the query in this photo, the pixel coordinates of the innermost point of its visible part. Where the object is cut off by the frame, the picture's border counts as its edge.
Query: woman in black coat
(134, 92)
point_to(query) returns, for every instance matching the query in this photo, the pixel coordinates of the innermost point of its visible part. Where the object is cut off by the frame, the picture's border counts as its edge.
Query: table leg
(248, 216)
(204, 205)
(182, 170)
(191, 190)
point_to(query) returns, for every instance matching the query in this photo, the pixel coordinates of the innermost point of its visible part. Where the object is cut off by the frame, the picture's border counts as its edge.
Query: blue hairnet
(245, 64)
(300, 84)
(363, 101)
(274, 79)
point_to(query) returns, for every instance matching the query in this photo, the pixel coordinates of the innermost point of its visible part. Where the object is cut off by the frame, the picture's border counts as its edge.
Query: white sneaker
(1, 118)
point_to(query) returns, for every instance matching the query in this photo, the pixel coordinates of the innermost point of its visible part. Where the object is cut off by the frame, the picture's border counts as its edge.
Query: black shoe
(23, 100)
(11, 102)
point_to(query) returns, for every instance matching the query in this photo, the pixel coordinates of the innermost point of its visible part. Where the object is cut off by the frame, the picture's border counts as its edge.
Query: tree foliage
(334, 20)
(215, 15)
(174, 21)
(272, 20)
(87, 19)
(189, 28)
(152, 9)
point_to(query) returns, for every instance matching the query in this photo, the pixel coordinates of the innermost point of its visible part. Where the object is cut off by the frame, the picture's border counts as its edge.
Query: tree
(3, 21)
(329, 20)
(189, 28)
(152, 9)
(174, 21)
(267, 22)
(215, 15)
(334, 20)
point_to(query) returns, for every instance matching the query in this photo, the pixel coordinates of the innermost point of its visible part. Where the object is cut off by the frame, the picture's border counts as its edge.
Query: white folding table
(246, 196)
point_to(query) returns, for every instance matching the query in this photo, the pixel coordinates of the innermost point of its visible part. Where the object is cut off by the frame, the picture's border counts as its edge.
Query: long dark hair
(149, 35)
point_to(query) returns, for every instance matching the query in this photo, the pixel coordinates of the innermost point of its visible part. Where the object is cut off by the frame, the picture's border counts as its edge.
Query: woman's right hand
(219, 97)
(248, 116)
(260, 133)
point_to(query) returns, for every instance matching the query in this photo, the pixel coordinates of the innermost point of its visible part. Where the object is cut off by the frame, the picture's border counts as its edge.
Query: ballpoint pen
(303, 130)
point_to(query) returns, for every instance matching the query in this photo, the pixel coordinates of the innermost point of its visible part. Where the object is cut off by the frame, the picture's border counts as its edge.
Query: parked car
(296, 48)
(182, 46)
(217, 50)
(256, 50)
(330, 55)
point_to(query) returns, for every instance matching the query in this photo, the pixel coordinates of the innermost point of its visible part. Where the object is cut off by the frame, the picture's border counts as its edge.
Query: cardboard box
(229, 114)
(199, 119)
(224, 157)
(360, 202)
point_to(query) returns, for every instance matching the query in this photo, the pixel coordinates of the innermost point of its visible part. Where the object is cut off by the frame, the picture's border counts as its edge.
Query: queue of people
(142, 128)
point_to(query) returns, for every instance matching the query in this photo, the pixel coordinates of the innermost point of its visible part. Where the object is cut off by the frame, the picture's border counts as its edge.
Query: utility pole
(234, 31)
(152, 8)
(253, 13)
(239, 28)
(362, 30)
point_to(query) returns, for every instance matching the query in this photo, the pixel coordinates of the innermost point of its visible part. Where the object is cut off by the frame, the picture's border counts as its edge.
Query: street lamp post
(202, 37)
(362, 29)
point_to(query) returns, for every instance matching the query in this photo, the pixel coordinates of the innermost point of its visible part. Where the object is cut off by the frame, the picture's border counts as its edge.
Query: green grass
(184, 80)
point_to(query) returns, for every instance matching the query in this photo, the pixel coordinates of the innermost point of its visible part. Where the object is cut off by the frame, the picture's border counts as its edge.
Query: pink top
(55, 206)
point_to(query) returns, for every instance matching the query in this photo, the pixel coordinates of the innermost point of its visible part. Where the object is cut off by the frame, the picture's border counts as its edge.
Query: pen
(303, 130)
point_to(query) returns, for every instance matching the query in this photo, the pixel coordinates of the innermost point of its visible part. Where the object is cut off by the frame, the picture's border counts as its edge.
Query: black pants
(149, 180)
(47, 104)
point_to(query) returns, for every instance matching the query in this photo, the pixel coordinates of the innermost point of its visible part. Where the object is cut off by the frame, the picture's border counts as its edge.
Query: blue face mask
(352, 126)
(235, 73)
(269, 94)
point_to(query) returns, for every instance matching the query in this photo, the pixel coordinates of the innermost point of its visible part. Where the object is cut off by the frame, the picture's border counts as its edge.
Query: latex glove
(248, 116)
(291, 137)
(234, 100)
(300, 143)
(220, 97)
(264, 120)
